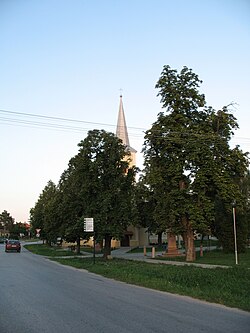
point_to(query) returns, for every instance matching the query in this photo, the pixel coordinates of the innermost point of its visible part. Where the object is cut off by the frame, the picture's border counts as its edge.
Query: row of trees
(98, 183)
(189, 180)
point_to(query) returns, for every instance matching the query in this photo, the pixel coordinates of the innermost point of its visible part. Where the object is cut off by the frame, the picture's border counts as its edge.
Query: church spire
(121, 129)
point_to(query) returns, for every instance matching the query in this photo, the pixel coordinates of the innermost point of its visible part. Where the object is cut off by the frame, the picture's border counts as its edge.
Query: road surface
(40, 296)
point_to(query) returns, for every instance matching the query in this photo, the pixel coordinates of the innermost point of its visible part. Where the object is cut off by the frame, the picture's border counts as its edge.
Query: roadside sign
(89, 227)
(88, 224)
(38, 233)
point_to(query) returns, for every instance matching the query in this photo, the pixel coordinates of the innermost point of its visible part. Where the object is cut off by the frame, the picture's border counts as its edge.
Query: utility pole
(235, 237)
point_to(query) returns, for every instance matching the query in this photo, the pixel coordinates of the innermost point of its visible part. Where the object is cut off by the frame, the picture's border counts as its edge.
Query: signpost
(89, 227)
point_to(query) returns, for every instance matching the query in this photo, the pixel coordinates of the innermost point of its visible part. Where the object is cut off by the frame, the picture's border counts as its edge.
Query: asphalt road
(37, 295)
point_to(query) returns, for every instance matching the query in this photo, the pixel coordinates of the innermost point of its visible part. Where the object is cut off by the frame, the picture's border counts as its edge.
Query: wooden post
(201, 250)
(153, 252)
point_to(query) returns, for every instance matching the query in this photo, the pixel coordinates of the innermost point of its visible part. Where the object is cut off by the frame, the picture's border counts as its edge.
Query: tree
(99, 184)
(44, 215)
(188, 161)
(52, 222)
(6, 221)
(17, 229)
(223, 225)
(245, 188)
(72, 205)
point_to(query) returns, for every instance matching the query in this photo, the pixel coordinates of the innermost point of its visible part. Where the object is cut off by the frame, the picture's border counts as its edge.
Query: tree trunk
(184, 236)
(107, 246)
(190, 251)
(188, 237)
(78, 250)
(201, 246)
(188, 233)
(101, 244)
(159, 239)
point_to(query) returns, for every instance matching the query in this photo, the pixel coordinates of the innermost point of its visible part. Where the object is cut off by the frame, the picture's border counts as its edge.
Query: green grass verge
(230, 287)
(49, 251)
(216, 257)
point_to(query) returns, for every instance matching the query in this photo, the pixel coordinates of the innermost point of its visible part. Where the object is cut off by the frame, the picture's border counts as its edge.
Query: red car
(12, 245)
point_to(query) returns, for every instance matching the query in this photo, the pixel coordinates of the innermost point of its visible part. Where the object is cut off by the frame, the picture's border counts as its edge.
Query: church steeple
(122, 133)
(121, 128)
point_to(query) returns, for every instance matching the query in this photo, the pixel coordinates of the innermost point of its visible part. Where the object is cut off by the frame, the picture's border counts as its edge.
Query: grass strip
(216, 257)
(49, 251)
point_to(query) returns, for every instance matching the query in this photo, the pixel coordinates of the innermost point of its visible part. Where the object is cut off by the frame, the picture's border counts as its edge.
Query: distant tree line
(190, 178)
(11, 229)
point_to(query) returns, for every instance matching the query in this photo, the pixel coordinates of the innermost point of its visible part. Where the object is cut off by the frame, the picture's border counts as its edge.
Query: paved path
(123, 252)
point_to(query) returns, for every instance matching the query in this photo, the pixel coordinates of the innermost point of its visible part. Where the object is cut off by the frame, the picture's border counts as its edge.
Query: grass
(230, 287)
(49, 251)
(206, 242)
(216, 257)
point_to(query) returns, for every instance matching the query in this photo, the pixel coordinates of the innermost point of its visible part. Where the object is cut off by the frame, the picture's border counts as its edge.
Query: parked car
(12, 245)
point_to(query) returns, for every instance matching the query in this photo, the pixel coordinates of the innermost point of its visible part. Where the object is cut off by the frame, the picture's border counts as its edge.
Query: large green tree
(73, 206)
(188, 160)
(99, 184)
(45, 214)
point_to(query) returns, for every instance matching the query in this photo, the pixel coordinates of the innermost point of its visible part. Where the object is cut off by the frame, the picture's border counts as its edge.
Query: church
(134, 236)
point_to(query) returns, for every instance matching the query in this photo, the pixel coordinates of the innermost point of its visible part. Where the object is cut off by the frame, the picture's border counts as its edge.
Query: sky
(64, 64)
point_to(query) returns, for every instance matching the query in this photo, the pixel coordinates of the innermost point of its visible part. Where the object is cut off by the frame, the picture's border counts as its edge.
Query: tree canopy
(190, 178)
(101, 174)
(98, 183)
(188, 160)
(44, 215)
(6, 221)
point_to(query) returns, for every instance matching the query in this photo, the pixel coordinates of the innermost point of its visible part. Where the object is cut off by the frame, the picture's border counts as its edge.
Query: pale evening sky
(69, 59)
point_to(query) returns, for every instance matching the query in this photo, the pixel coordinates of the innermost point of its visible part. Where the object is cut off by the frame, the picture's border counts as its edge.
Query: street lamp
(235, 238)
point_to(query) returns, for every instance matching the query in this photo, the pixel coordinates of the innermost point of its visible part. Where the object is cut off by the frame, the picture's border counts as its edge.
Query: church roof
(121, 128)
